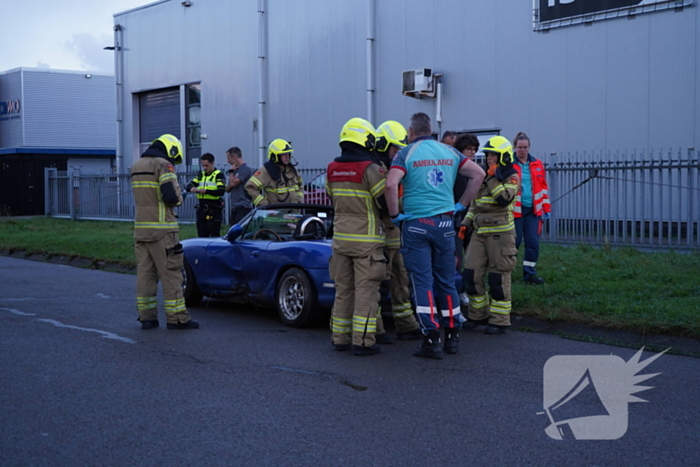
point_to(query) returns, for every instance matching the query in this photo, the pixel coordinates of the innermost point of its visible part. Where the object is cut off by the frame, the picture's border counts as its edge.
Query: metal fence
(635, 198)
(641, 199)
(103, 196)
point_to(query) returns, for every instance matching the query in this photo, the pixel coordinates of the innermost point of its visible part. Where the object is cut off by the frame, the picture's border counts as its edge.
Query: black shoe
(451, 345)
(342, 347)
(383, 338)
(191, 324)
(430, 348)
(361, 350)
(474, 323)
(494, 329)
(533, 279)
(149, 324)
(409, 335)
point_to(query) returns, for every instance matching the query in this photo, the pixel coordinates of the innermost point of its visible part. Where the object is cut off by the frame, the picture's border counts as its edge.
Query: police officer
(355, 185)
(428, 170)
(210, 187)
(156, 235)
(491, 250)
(391, 137)
(277, 181)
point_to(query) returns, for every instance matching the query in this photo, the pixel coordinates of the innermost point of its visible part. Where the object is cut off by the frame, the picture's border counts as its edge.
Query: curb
(74, 261)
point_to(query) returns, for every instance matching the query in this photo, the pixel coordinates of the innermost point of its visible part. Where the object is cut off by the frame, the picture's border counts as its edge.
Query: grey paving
(82, 384)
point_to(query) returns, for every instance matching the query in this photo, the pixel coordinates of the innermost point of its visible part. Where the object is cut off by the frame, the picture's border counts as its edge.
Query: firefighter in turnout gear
(355, 185)
(391, 137)
(156, 235)
(277, 181)
(210, 187)
(491, 252)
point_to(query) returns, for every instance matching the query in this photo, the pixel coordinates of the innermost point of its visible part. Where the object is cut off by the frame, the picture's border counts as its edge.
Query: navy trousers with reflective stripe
(527, 227)
(427, 246)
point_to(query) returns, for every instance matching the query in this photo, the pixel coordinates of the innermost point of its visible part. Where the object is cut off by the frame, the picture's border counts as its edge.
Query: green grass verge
(646, 292)
(93, 240)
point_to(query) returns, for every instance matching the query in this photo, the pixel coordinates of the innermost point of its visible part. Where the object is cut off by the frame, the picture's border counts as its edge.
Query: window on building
(193, 110)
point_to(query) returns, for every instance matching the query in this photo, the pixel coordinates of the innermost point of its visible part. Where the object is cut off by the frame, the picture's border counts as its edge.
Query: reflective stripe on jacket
(214, 183)
(491, 212)
(264, 190)
(153, 217)
(354, 188)
(540, 190)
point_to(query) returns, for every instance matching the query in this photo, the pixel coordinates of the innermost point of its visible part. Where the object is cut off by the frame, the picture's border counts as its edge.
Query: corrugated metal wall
(68, 110)
(214, 43)
(11, 127)
(605, 86)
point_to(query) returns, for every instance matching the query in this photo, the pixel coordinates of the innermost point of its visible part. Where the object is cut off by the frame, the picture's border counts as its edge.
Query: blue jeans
(528, 227)
(427, 246)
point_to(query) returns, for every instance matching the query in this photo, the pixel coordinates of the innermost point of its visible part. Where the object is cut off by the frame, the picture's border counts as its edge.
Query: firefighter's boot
(451, 345)
(474, 323)
(430, 348)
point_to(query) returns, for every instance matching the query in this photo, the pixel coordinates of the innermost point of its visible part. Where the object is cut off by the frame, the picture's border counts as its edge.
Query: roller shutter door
(159, 113)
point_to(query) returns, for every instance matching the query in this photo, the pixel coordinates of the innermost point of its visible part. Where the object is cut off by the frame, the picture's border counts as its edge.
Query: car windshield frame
(283, 220)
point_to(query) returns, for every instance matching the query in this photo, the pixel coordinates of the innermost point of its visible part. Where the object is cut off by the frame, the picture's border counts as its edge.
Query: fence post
(71, 195)
(47, 191)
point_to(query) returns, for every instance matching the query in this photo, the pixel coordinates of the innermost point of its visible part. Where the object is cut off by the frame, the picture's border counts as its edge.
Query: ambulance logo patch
(436, 177)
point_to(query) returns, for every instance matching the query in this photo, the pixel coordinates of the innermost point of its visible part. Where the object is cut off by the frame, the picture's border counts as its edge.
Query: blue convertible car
(277, 256)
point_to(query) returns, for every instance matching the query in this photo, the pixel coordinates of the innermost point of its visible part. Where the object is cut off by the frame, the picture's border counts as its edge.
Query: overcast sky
(60, 34)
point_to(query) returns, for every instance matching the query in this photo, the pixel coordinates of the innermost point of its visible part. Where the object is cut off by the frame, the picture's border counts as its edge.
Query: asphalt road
(82, 384)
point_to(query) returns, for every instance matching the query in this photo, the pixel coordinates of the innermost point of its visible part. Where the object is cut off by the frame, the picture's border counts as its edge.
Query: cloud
(90, 52)
(42, 65)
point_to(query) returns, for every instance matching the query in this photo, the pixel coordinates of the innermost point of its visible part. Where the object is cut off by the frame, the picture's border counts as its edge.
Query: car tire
(296, 299)
(189, 287)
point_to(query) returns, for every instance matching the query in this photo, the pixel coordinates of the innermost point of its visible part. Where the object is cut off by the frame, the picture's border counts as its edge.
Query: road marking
(105, 334)
(17, 312)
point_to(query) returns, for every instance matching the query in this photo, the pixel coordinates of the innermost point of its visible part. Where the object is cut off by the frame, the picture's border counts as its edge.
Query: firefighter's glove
(459, 207)
(398, 219)
(463, 232)
(492, 170)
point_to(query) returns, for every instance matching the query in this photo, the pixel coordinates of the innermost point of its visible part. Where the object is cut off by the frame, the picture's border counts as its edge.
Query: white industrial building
(598, 77)
(51, 118)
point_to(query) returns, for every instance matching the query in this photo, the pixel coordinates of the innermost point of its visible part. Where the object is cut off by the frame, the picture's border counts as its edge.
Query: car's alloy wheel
(295, 298)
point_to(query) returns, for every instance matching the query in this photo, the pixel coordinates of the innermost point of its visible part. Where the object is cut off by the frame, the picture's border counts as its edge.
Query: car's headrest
(310, 227)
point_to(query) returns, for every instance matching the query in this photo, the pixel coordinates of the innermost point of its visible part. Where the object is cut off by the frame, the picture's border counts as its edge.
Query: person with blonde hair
(532, 206)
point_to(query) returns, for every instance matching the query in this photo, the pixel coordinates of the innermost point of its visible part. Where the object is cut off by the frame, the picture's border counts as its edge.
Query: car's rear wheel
(189, 287)
(296, 299)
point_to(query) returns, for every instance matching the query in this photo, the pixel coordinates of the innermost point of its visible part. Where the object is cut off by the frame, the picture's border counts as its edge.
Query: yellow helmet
(173, 147)
(501, 146)
(391, 132)
(277, 148)
(359, 131)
